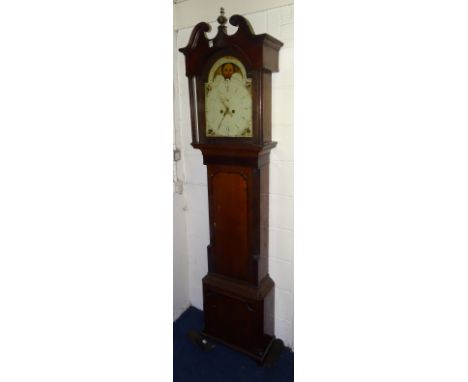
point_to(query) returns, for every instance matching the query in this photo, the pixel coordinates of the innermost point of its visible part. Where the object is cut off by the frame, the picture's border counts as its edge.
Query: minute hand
(224, 116)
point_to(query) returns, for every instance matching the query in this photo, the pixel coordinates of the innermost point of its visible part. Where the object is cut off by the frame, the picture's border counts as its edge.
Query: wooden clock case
(238, 293)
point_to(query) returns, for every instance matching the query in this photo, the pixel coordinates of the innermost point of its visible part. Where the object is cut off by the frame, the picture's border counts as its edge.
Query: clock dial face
(228, 100)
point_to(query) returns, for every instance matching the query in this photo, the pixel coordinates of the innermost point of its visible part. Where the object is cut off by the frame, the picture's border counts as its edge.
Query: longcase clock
(230, 101)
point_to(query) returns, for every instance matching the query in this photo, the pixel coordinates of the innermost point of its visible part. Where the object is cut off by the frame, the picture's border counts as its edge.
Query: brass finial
(221, 18)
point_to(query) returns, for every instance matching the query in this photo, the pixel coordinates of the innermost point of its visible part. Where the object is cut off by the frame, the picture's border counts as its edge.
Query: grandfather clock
(230, 100)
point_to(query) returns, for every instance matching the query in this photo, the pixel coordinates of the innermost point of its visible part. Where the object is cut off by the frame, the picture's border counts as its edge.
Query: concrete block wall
(278, 22)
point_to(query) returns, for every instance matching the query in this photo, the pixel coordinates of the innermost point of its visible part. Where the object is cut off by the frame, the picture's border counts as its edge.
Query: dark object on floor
(202, 342)
(274, 353)
(192, 363)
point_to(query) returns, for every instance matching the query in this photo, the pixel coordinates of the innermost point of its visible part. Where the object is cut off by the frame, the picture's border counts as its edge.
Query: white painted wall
(187, 13)
(180, 260)
(279, 23)
(180, 284)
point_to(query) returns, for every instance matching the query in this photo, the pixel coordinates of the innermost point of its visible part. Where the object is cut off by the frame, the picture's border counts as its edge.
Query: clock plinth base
(239, 315)
(260, 358)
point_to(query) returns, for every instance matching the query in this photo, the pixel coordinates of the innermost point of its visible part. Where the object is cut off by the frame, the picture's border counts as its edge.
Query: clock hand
(224, 115)
(224, 103)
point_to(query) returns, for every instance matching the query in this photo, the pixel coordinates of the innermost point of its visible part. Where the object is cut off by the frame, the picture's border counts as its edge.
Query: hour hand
(226, 109)
(225, 103)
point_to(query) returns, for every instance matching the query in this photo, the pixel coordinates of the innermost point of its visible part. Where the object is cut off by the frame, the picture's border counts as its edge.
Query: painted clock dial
(228, 99)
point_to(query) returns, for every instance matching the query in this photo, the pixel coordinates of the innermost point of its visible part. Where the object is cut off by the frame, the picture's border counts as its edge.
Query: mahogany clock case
(238, 293)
